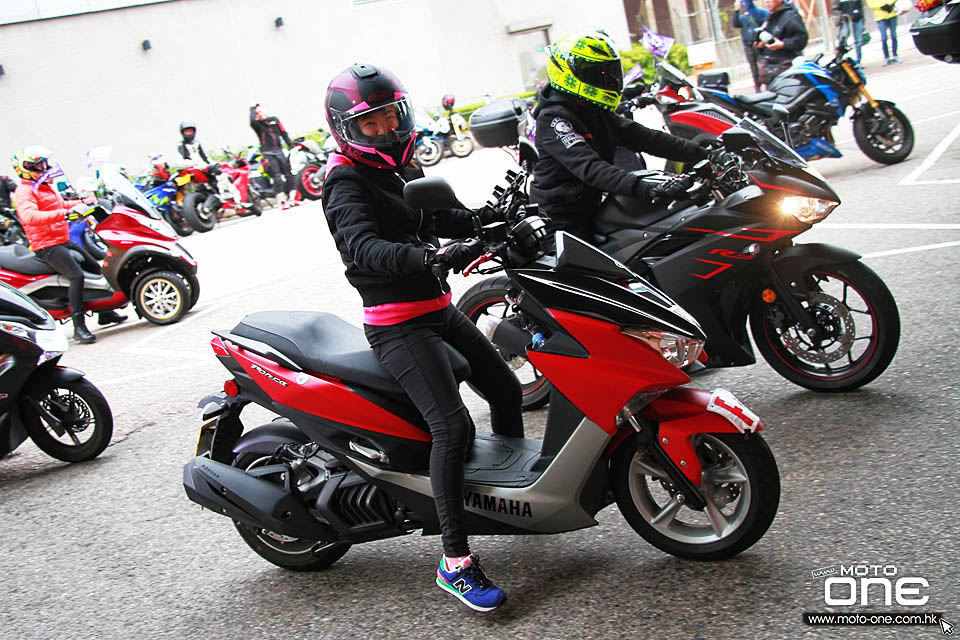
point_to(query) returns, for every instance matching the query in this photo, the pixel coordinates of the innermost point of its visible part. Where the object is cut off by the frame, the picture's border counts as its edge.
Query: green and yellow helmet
(586, 64)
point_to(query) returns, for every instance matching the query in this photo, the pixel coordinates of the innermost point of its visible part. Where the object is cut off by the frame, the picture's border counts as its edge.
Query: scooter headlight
(807, 210)
(53, 342)
(680, 351)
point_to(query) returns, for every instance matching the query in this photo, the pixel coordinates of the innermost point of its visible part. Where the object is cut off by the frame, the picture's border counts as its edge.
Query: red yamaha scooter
(347, 461)
(144, 263)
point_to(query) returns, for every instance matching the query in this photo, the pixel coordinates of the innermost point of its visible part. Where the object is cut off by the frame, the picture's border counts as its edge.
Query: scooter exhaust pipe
(244, 497)
(505, 333)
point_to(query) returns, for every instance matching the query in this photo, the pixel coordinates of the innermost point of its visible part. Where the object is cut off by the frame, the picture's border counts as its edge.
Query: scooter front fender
(682, 413)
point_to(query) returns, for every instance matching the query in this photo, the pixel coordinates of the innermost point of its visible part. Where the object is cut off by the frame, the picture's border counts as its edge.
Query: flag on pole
(633, 75)
(657, 44)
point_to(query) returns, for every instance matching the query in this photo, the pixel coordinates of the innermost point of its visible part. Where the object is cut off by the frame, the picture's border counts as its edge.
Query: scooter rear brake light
(231, 389)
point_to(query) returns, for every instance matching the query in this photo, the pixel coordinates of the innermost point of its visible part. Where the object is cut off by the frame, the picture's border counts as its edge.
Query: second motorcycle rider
(392, 255)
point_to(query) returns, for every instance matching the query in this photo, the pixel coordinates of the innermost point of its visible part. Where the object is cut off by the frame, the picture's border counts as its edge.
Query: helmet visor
(38, 165)
(380, 127)
(605, 74)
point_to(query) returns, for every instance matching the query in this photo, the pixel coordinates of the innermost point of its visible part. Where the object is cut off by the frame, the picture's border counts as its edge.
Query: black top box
(496, 124)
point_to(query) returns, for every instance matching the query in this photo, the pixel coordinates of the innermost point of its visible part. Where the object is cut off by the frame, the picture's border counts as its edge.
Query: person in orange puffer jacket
(42, 212)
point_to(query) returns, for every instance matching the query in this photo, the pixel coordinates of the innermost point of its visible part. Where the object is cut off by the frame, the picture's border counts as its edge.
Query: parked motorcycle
(64, 414)
(144, 263)
(230, 192)
(442, 134)
(815, 97)
(819, 317)
(308, 162)
(347, 461)
(163, 186)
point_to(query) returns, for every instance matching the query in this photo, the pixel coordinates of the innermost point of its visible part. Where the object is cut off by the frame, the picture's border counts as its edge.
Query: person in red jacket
(42, 212)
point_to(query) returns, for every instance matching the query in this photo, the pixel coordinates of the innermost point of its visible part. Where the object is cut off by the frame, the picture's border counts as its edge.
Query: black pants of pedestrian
(278, 166)
(414, 352)
(753, 58)
(62, 260)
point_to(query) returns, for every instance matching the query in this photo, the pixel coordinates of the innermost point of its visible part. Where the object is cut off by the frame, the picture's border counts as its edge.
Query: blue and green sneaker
(470, 584)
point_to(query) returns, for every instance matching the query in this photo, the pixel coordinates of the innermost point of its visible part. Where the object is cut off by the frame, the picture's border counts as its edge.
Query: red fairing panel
(18, 280)
(704, 123)
(618, 367)
(320, 397)
(682, 413)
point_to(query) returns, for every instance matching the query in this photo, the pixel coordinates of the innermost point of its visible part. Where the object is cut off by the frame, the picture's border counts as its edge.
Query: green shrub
(637, 54)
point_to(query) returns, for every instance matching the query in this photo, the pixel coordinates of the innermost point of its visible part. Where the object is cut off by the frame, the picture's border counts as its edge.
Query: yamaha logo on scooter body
(497, 505)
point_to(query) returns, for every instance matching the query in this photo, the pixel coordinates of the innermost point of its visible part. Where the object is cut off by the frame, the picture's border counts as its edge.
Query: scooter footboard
(682, 413)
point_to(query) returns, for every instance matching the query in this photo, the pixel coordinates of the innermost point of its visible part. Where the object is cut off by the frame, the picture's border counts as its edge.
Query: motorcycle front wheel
(740, 484)
(287, 552)
(489, 297)
(178, 222)
(858, 324)
(70, 421)
(310, 181)
(429, 152)
(885, 137)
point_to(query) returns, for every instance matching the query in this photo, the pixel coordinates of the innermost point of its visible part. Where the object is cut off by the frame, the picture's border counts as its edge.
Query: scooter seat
(763, 96)
(19, 259)
(324, 343)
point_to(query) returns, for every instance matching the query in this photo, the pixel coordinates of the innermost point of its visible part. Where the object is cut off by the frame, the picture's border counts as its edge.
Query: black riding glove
(455, 256)
(488, 215)
(673, 189)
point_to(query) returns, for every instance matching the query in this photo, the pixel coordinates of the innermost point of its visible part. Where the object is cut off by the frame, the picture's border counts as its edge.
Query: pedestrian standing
(748, 17)
(885, 15)
(851, 18)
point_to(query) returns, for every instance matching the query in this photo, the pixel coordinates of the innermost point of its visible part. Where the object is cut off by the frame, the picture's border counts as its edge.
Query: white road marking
(931, 159)
(926, 247)
(137, 347)
(153, 373)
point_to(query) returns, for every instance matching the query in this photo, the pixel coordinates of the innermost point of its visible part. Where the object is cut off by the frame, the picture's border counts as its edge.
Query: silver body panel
(552, 500)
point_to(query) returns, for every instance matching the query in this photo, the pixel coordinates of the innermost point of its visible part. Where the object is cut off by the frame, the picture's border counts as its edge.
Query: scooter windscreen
(772, 145)
(113, 180)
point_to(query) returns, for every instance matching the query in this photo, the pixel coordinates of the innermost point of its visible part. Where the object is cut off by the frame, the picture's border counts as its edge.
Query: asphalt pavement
(113, 549)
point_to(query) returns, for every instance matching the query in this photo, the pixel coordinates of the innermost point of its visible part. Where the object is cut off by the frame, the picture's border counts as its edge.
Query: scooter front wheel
(461, 147)
(162, 297)
(70, 421)
(740, 483)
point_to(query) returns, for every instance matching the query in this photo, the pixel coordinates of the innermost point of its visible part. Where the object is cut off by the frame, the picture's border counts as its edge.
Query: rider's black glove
(673, 189)
(455, 256)
(488, 215)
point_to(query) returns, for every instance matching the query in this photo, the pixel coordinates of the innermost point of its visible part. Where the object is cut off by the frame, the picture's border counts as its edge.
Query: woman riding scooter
(43, 214)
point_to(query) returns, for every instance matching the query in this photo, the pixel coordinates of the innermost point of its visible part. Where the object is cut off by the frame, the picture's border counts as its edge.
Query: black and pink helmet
(363, 89)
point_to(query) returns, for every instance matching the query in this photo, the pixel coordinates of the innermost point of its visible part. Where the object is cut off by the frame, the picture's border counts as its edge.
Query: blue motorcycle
(161, 189)
(804, 103)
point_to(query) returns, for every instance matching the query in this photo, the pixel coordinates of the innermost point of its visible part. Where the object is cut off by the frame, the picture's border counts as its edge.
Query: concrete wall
(77, 82)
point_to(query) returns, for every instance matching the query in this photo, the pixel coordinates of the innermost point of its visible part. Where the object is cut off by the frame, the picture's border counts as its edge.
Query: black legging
(278, 166)
(413, 351)
(63, 262)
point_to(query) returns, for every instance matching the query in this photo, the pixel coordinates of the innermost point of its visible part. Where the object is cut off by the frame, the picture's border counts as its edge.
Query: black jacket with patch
(383, 241)
(577, 143)
(785, 24)
(270, 132)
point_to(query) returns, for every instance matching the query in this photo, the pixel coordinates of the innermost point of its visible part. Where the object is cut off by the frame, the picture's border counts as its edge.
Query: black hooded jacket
(785, 24)
(383, 241)
(577, 143)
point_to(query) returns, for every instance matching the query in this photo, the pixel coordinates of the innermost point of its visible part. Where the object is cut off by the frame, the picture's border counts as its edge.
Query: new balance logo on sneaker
(468, 583)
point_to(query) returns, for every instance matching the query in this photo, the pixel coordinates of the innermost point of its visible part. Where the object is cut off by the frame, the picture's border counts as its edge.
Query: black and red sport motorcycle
(347, 462)
(820, 317)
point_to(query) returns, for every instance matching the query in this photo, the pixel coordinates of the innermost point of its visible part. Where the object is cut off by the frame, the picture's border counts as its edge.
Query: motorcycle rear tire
(270, 547)
(88, 408)
(196, 212)
(869, 147)
(474, 303)
(461, 148)
(179, 223)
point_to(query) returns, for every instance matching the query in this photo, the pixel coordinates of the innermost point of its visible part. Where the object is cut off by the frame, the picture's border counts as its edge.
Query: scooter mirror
(528, 154)
(432, 192)
(736, 139)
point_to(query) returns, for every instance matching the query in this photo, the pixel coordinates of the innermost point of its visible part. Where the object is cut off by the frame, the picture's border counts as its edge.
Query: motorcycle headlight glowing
(679, 351)
(807, 210)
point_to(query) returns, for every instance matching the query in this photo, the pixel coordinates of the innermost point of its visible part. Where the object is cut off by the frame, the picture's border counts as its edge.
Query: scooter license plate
(725, 404)
(182, 180)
